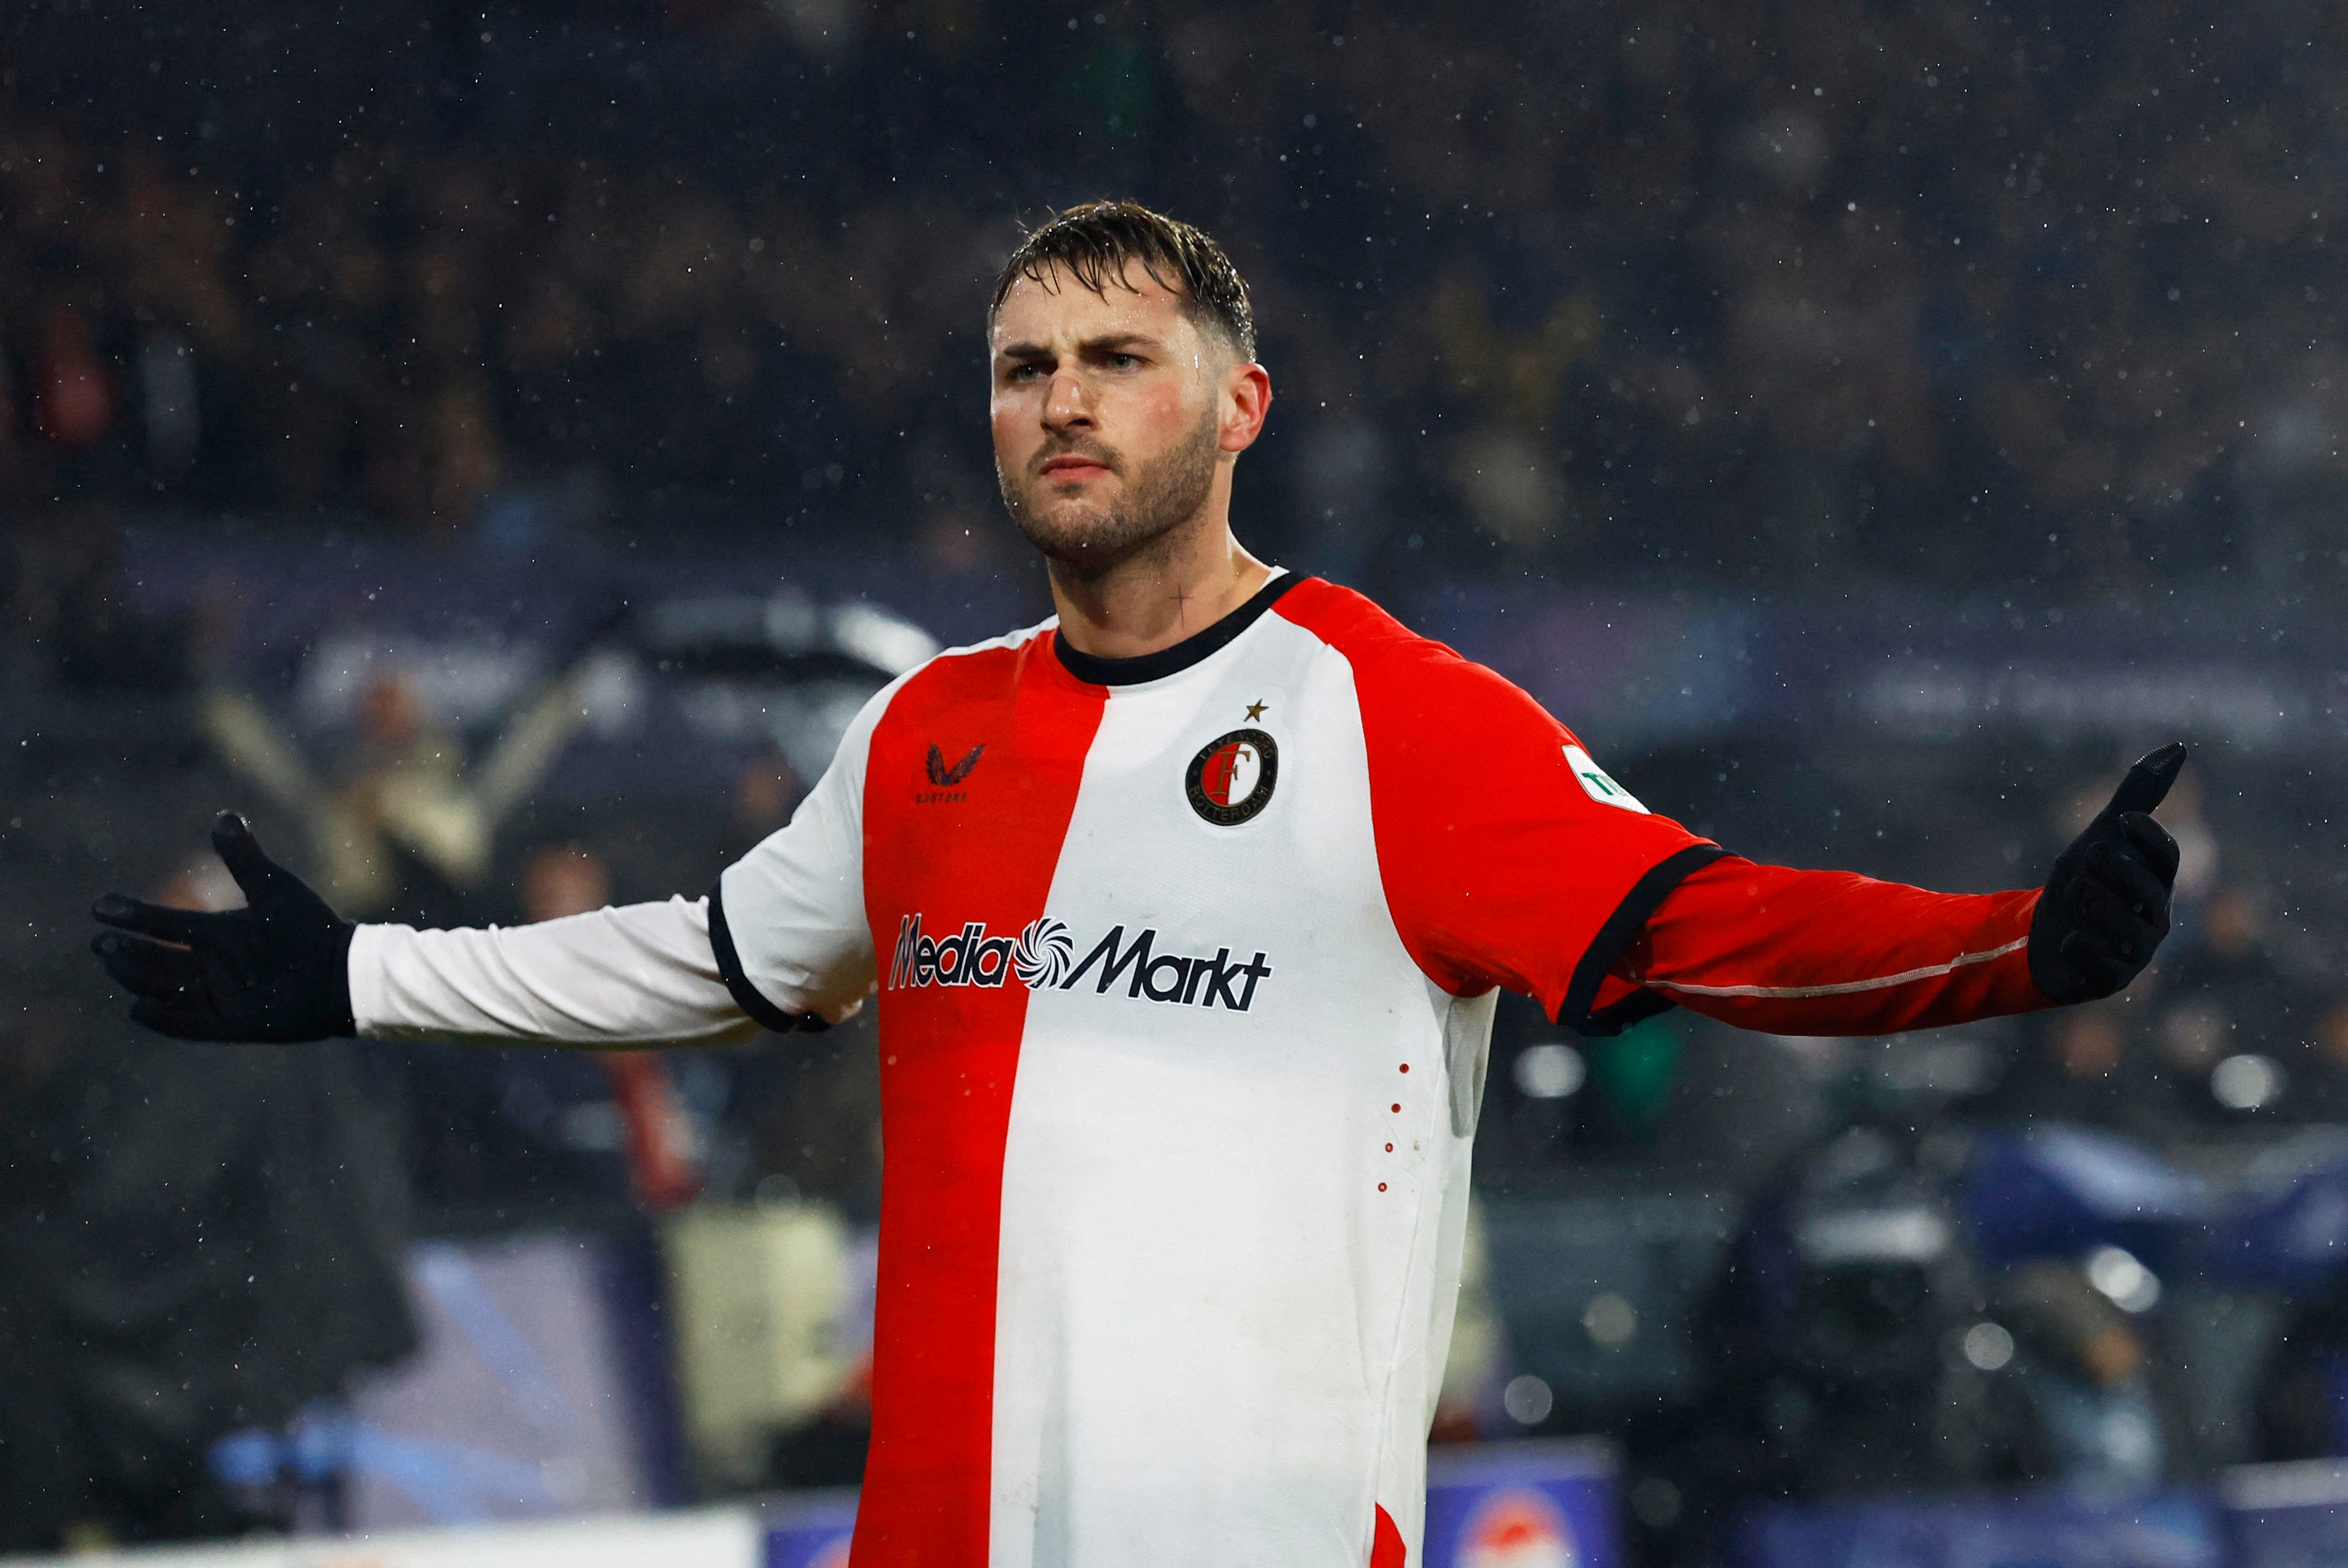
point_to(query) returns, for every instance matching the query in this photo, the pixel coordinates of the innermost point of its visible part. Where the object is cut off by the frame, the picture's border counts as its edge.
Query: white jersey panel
(794, 906)
(1231, 1219)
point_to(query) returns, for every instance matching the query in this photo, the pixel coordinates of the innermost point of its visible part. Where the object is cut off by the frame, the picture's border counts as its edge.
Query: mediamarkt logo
(1043, 957)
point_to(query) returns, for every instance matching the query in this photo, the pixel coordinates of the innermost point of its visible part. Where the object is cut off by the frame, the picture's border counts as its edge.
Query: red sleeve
(1509, 857)
(1829, 952)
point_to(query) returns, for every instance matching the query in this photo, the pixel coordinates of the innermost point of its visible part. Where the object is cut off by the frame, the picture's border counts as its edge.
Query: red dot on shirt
(1390, 1148)
(1382, 1186)
(1398, 1105)
(1406, 1067)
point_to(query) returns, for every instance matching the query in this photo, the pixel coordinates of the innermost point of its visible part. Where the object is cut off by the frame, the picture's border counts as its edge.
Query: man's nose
(1064, 403)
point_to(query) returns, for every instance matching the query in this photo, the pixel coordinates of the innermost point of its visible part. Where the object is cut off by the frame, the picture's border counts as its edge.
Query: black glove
(277, 969)
(2105, 907)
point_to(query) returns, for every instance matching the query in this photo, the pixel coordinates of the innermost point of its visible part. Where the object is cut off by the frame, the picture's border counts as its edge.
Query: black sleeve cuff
(1621, 930)
(761, 1011)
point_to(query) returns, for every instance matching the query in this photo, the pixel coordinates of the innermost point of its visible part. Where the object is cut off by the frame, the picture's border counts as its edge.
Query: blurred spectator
(495, 1133)
(2072, 1066)
(192, 1239)
(400, 829)
(766, 792)
(2325, 1096)
(562, 879)
(2085, 1369)
(63, 584)
(2234, 1030)
(1618, 301)
(565, 879)
(1828, 1335)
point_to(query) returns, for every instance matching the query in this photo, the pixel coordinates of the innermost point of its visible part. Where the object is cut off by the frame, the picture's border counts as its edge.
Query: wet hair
(1093, 240)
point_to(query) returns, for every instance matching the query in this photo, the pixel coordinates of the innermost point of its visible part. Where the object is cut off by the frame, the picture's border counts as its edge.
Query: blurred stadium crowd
(1714, 291)
(2025, 307)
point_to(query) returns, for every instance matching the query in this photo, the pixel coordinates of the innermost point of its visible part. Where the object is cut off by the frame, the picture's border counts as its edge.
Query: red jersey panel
(988, 824)
(1505, 849)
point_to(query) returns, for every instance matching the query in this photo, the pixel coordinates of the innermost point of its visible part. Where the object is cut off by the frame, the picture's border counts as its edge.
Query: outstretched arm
(781, 944)
(285, 967)
(1827, 952)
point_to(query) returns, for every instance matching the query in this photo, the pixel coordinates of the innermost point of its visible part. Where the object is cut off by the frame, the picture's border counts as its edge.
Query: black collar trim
(1100, 672)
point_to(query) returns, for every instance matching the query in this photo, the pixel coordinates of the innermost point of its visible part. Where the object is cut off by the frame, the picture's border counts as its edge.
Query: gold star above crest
(1255, 710)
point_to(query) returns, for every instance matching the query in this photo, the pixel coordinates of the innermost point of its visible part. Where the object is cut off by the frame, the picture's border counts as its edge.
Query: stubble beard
(1163, 495)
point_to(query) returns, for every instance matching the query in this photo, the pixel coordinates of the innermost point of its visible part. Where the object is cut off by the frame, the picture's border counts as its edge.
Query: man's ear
(1247, 400)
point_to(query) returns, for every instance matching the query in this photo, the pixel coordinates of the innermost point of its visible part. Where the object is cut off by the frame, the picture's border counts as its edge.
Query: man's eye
(1025, 371)
(1125, 362)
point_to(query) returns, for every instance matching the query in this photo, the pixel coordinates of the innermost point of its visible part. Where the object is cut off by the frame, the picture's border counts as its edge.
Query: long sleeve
(644, 974)
(1829, 952)
(782, 943)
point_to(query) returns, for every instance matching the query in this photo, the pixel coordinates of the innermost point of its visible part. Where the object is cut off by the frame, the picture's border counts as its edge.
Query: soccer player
(1186, 910)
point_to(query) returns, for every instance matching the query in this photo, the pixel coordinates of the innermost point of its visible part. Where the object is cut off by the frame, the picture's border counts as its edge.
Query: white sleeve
(643, 974)
(781, 944)
(787, 919)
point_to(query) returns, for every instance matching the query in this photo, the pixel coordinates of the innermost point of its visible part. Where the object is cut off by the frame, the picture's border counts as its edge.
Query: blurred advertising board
(2287, 1515)
(2263, 1516)
(714, 1538)
(810, 1529)
(1647, 670)
(2049, 1529)
(1506, 1505)
(539, 1390)
(474, 631)
(1551, 1504)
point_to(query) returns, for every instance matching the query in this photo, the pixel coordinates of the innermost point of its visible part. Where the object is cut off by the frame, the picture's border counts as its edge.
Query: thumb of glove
(2106, 903)
(2147, 783)
(257, 876)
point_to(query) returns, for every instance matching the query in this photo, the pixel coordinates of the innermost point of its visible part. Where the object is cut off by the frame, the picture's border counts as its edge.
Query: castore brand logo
(947, 775)
(942, 775)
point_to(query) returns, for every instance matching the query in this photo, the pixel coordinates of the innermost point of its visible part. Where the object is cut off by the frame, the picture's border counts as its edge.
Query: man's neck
(1161, 596)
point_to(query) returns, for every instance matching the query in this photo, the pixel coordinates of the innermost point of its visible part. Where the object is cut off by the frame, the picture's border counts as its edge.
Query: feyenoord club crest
(1232, 775)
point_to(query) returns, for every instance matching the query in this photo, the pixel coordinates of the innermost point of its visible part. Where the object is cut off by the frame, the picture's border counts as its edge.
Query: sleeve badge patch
(1596, 785)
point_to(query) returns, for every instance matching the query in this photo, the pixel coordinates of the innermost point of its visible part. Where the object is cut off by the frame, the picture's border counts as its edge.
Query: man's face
(1112, 416)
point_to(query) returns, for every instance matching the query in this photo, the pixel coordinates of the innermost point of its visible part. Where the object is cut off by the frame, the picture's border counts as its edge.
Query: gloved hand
(2105, 906)
(277, 969)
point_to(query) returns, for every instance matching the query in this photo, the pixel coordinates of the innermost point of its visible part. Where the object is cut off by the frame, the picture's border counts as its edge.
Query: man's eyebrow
(1108, 343)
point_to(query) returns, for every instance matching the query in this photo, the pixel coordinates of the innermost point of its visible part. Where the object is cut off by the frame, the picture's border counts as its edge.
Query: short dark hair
(1093, 240)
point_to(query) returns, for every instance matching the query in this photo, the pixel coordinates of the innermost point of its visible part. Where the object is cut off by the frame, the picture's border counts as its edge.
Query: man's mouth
(1069, 466)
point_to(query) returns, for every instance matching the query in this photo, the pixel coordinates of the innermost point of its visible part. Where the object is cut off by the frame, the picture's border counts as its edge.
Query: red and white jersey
(1186, 970)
